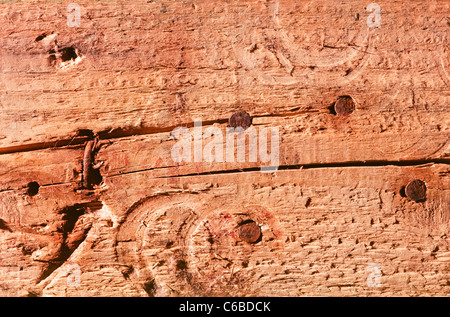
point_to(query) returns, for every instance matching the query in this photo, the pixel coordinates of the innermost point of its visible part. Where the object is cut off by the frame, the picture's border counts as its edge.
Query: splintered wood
(117, 177)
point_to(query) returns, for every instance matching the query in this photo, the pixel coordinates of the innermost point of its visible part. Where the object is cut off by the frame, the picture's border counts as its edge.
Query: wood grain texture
(335, 209)
(136, 56)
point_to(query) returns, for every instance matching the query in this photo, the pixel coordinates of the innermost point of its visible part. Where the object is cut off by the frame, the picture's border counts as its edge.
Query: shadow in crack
(74, 230)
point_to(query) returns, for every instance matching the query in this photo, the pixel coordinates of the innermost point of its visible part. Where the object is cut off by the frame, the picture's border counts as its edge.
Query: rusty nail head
(344, 105)
(416, 190)
(250, 232)
(240, 119)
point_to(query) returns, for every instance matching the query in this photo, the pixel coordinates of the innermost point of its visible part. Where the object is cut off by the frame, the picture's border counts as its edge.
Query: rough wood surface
(333, 214)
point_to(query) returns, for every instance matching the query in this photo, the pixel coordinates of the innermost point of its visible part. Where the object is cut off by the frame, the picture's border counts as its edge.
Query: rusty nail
(344, 105)
(240, 119)
(250, 232)
(416, 190)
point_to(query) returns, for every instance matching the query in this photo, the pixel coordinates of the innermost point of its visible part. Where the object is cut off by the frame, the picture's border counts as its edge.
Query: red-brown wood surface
(335, 219)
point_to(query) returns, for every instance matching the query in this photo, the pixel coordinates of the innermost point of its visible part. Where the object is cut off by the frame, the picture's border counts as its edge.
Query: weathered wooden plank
(349, 203)
(322, 230)
(135, 63)
(159, 152)
(334, 219)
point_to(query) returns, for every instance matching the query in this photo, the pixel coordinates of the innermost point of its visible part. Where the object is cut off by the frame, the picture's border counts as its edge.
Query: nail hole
(96, 177)
(33, 188)
(68, 53)
(62, 55)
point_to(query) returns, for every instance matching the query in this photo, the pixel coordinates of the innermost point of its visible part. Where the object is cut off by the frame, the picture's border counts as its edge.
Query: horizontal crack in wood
(324, 165)
(118, 133)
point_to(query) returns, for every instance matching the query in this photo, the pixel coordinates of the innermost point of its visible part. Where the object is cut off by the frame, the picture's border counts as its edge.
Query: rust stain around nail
(416, 190)
(250, 232)
(344, 105)
(240, 119)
